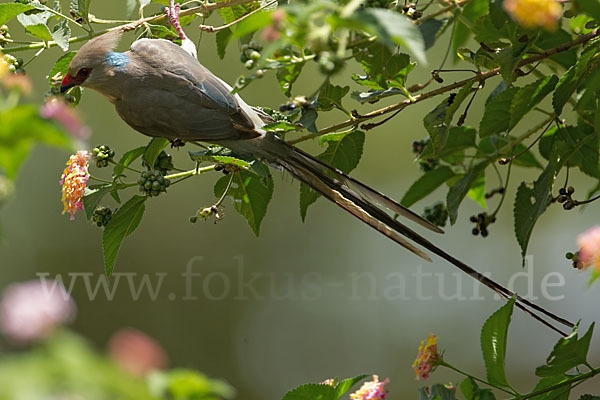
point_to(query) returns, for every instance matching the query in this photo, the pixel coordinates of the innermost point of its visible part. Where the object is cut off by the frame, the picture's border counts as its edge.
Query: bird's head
(91, 65)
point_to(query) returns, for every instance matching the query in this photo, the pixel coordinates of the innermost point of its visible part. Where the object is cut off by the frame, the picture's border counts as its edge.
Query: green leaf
(372, 96)
(251, 196)
(61, 34)
(343, 152)
(462, 95)
(459, 190)
(92, 198)
(127, 159)
(426, 184)
(561, 393)
(311, 391)
(436, 392)
(477, 191)
(530, 96)
(570, 81)
(10, 10)
(568, 353)
(331, 96)
(153, 149)
(590, 7)
(61, 66)
(122, 224)
(577, 144)
(393, 29)
(471, 391)
(345, 385)
(429, 29)
(287, 75)
(36, 24)
(496, 117)
(470, 13)
(383, 68)
(281, 126)
(493, 343)
(222, 37)
(81, 8)
(434, 122)
(308, 118)
(210, 156)
(459, 139)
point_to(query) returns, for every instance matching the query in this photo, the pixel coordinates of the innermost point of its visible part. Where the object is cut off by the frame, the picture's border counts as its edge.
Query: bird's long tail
(369, 206)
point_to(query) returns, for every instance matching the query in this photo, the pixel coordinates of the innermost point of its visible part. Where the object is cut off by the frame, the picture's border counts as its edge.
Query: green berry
(249, 64)
(193, 219)
(255, 56)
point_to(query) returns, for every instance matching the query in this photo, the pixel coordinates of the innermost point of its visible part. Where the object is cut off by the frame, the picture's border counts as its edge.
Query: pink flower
(31, 311)
(330, 382)
(427, 358)
(66, 116)
(73, 181)
(371, 390)
(589, 245)
(136, 352)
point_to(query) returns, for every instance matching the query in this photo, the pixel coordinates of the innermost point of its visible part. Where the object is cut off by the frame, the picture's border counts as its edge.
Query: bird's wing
(176, 71)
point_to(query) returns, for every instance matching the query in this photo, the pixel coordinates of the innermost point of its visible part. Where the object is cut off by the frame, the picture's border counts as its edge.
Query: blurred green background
(264, 345)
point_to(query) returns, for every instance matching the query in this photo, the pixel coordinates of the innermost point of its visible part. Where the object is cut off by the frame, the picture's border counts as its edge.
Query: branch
(451, 7)
(211, 29)
(131, 25)
(423, 96)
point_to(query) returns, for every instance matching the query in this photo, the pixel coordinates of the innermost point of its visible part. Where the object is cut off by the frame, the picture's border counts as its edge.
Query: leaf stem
(192, 172)
(445, 364)
(575, 379)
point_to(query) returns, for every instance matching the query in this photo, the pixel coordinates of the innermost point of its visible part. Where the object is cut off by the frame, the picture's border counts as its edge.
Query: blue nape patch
(115, 59)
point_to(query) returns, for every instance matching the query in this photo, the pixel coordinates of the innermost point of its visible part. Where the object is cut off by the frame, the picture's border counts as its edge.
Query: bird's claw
(173, 15)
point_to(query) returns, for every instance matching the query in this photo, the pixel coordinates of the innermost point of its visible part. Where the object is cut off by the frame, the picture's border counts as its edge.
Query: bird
(160, 89)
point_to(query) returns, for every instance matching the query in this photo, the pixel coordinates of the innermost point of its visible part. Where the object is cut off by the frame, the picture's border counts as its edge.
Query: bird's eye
(84, 72)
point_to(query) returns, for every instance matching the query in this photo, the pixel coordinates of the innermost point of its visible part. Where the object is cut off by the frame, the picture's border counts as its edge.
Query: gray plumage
(160, 90)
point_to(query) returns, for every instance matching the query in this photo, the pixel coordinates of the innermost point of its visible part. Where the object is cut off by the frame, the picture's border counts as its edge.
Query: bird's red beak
(67, 83)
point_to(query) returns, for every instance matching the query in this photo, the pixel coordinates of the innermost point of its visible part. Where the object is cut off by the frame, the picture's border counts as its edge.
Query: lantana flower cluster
(589, 249)
(373, 390)
(73, 181)
(428, 357)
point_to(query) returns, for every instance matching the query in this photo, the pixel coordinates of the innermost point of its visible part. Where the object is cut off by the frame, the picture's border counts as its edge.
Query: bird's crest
(93, 52)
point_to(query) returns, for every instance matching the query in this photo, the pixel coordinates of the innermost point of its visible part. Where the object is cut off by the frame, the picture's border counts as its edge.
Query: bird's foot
(173, 15)
(177, 143)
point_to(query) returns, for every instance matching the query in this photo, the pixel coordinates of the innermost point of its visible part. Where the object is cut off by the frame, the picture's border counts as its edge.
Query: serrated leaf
(153, 149)
(426, 184)
(222, 38)
(459, 139)
(343, 152)
(287, 75)
(392, 29)
(459, 190)
(127, 159)
(383, 68)
(61, 33)
(496, 117)
(530, 96)
(81, 8)
(331, 96)
(429, 29)
(578, 144)
(561, 393)
(61, 66)
(311, 391)
(307, 120)
(569, 82)
(494, 334)
(93, 197)
(471, 12)
(281, 126)
(568, 353)
(36, 24)
(345, 385)
(434, 122)
(10, 10)
(436, 392)
(251, 196)
(122, 224)
(201, 156)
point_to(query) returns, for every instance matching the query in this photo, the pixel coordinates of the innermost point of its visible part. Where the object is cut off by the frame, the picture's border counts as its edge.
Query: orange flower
(427, 358)
(534, 13)
(73, 181)
(371, 390)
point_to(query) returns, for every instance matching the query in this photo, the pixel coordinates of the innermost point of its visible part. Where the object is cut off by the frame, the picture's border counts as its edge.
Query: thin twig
(211, 29)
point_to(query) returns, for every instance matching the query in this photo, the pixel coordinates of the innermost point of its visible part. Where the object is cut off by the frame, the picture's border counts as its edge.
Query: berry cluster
(4, 34)
(206, 213)
(574, 257)
(251, 54)
(426, 164)
(410, 10)
(275, 114)
(437, 214)
(329, 63)
(299, 101)
(419, 145)
(153, 183)
(15, 64)
(101, 216)
(482, 221)
(565, 197)
(163, 163)
(102, 155)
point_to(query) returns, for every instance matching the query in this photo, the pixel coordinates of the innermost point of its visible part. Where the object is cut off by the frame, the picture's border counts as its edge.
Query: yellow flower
(427, 358)
(534, 13)
(73, 181)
